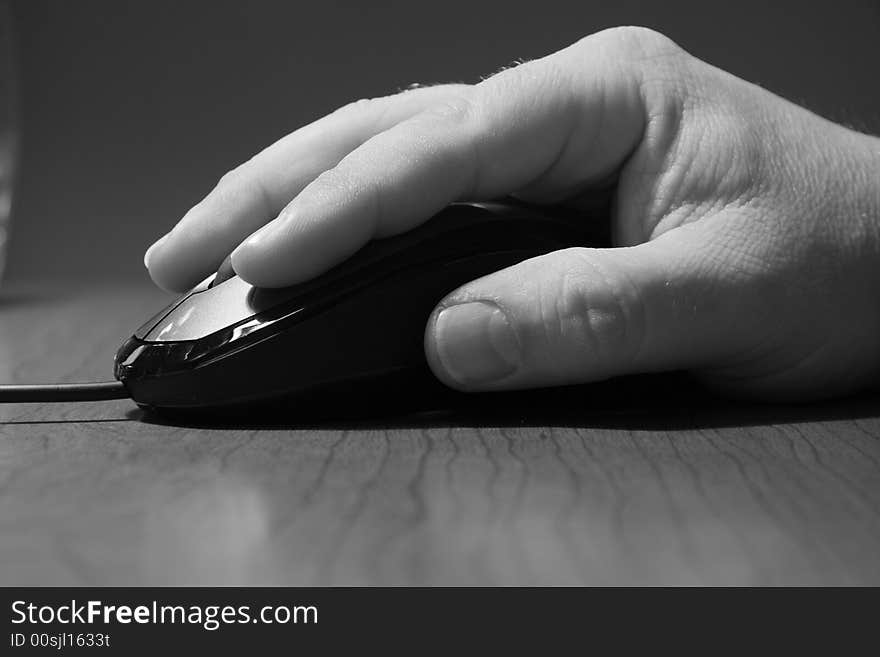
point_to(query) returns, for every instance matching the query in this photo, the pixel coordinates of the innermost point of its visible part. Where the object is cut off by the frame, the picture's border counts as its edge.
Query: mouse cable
(63, 392)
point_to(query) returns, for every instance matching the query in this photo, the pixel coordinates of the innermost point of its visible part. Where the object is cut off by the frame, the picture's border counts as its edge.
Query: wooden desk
(702, 493)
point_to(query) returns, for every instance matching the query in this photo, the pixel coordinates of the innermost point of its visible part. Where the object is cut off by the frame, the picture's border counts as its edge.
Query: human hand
(747, 229)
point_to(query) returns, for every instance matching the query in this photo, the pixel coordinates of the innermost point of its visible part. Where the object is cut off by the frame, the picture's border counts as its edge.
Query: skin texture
(747, 229)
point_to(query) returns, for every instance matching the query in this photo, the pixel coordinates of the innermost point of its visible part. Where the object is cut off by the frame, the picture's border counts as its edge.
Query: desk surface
(699, 493)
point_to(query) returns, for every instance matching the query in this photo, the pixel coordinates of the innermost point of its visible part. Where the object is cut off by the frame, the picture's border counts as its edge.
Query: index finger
(254, 192)
(551, 124)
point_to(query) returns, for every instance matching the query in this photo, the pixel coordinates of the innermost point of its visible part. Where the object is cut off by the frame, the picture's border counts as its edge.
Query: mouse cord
(63, 392)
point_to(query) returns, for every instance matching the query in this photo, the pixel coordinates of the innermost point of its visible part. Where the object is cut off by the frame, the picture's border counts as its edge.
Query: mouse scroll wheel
(224, 272)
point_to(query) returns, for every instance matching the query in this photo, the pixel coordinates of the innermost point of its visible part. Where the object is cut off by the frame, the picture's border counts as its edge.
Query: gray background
(131, 110)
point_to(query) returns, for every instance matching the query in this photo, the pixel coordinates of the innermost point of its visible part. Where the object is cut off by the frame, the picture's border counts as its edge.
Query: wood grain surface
(621, 490)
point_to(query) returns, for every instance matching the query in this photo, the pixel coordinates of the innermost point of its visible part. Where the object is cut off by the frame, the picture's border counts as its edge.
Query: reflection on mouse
(351, 336)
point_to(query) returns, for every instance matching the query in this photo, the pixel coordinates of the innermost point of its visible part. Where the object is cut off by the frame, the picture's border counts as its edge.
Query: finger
(253, 193)
(583, 315)
(539, 127)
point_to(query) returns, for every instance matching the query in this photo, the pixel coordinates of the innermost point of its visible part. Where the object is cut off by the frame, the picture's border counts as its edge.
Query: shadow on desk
(654, 402)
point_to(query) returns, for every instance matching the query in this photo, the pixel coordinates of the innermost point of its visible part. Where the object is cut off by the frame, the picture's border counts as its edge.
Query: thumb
(583, 315)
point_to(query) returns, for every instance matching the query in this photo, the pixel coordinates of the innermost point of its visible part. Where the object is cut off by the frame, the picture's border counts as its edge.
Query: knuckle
(356, 106)
(329, 181)
(230, 179)
(240, 185)
(454, 88)
(597, 308)
(447, 93)
(343, 186)
(458, 109)
(442, 89)
(337, 186)
(663, 71)
(653, 58)
(231, 185)
(633, 43)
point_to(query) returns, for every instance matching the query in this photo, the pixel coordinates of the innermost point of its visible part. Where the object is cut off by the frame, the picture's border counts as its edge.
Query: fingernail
(475, 342)
(152, 250)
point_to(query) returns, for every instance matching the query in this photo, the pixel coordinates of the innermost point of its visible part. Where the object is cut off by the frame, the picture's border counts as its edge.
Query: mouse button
(199, 315)
(264, 299)
(448, 223)
(590, 221)
(145, 328)
(449, 220)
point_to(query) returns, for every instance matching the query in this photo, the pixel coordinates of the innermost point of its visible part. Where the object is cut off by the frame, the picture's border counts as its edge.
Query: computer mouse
(352, 337)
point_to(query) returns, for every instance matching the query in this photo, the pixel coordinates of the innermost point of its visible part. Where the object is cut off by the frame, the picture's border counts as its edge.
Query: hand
(747, 229)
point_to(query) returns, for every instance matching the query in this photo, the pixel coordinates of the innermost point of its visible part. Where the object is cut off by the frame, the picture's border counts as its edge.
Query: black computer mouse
(351, 337)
